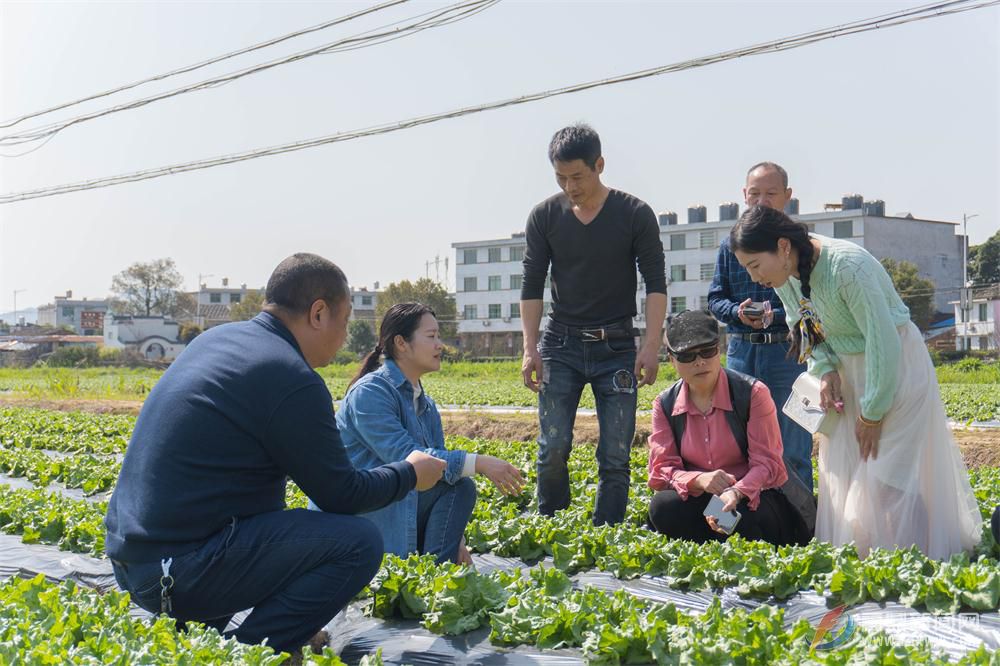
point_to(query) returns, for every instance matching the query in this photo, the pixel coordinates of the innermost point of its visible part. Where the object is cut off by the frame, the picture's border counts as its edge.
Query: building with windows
(488, 273)
(363, 303)
(213, 304)
(975, 326)
(83, 316)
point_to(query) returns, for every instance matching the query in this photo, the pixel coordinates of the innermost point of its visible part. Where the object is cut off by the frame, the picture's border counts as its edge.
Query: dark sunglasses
(688, 356)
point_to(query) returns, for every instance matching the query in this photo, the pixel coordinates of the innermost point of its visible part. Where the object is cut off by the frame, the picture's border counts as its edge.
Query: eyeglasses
(688, 356)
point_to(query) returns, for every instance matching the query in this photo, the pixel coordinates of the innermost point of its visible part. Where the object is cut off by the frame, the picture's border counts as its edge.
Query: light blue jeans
(769, 364)
(442, 514)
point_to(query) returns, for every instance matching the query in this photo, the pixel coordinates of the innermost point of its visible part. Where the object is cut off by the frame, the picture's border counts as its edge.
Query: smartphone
(754, 310)
(726, 520)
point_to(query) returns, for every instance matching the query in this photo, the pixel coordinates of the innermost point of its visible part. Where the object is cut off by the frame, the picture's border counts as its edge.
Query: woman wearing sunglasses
(695, 450)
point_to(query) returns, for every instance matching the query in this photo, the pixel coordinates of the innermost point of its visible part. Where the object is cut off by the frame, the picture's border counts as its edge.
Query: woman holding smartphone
(890, 474)
(694, 449)
(386, 414)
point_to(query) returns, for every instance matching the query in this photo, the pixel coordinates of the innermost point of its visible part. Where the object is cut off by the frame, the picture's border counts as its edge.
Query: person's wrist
(868, 422)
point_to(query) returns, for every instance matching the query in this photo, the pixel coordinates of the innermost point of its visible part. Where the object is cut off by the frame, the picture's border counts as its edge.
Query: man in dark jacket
(197, 526)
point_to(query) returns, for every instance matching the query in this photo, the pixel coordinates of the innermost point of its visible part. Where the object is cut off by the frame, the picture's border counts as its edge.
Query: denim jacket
(378, 425)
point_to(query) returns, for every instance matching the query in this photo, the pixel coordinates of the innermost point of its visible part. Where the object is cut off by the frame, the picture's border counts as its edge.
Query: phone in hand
(726, 520)
(754, 310)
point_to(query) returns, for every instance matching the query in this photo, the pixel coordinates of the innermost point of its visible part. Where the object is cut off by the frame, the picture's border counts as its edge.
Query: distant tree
(984, 261)
(248, 308)
(151, 288)
(424, 291)
(917, 292)
(360, 337)
(189, 331)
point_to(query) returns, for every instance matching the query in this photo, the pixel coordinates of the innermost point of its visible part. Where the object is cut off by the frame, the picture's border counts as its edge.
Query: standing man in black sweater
(196, 525)
(594, 238)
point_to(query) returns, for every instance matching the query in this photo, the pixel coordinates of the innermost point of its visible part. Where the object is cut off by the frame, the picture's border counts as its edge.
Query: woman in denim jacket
(386, 415)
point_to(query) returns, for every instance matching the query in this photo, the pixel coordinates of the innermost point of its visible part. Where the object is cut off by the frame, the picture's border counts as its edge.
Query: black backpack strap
(677, 423)
(740, 392)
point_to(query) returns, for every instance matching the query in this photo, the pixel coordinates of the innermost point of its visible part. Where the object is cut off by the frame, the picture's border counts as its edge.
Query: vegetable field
(65, 462)
(970, 393)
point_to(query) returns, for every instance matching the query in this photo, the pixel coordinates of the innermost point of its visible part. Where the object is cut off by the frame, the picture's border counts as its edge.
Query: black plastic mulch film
(406, 642)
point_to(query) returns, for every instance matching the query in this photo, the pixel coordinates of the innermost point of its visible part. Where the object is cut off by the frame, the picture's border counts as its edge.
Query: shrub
(74, 357)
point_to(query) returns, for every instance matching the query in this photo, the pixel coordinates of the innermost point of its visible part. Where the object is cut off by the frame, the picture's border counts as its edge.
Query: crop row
(49, 623)
(545, 610)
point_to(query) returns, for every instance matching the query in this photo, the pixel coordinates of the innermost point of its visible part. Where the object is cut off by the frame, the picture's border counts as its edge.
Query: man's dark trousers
(569, 363)
(296, 569)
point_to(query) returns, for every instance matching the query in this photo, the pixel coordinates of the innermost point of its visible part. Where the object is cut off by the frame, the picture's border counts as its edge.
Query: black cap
(691, 329)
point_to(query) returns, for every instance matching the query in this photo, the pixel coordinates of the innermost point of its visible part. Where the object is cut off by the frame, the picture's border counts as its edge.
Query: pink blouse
(708, 444)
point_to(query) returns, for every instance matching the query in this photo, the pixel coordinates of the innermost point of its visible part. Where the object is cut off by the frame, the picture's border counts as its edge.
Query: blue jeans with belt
(569, 363)
(769, 364)
(296, 569)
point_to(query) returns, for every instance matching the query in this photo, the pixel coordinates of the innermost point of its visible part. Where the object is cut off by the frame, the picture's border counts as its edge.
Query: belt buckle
(758, 338)
(590, 336)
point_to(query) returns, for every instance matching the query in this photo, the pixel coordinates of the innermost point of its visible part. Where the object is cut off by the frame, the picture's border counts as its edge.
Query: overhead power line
(424, 21)
(206, 63)
(797, 41)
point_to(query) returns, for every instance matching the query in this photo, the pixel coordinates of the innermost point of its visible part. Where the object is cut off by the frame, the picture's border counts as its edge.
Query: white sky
(908, 114)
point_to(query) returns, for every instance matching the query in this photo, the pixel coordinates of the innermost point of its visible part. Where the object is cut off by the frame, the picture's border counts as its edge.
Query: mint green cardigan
(860, 310)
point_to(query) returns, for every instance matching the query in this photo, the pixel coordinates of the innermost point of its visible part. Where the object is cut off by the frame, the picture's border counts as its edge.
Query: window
(984, 342)
(707, 271)
(708, 239)
(215, 297)
(494, 255)
(677, 242)
(68, 312)
(470, 284)
(517, 253)
(703, 302)
(469, 256)
(470, 312)
(678, 304)
(515, 281)
(843, 229)
(548, 281)
(982, 312)
(235, 298)
(495, 311)
(366, 300)
(494, 283)
(515, 310)
(678, 273)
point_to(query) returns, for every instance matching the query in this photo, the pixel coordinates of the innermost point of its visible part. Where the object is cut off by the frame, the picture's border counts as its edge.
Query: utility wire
(884, 21)
(206, 63)
(427, 20)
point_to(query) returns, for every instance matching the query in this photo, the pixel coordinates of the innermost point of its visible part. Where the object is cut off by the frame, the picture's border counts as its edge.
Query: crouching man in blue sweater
(197, 526)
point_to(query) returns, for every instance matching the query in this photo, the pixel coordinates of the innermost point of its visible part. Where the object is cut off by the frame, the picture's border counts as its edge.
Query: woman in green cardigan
(890, 474)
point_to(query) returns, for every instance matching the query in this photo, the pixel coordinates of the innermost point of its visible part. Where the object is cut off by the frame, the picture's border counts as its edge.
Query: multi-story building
(213, 303)
(975, 326)
(83, 316)
(363, 303)
(488, 273)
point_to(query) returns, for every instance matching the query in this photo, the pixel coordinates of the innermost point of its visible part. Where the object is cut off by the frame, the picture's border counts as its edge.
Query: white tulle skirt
(917, 491)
